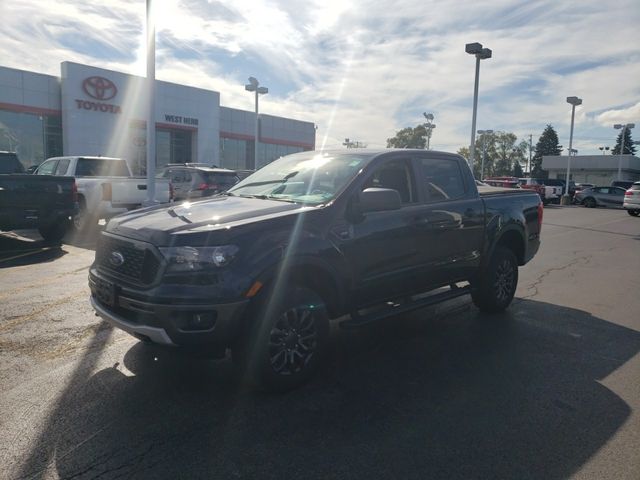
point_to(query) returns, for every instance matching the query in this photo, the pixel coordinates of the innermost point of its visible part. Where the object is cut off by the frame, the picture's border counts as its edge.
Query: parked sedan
(600, 197)
(631, 201)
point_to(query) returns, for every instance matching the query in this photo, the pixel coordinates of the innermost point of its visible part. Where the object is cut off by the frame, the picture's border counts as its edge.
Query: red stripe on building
(173, 126)
(28, 109)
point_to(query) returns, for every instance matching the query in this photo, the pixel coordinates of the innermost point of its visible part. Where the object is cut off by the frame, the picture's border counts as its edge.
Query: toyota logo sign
(99, 88)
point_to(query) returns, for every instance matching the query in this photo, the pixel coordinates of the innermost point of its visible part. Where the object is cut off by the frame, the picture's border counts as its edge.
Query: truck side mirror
(378, 200)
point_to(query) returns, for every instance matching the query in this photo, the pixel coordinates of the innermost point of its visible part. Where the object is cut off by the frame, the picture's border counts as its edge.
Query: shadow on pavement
(426, 396)
(26, 248)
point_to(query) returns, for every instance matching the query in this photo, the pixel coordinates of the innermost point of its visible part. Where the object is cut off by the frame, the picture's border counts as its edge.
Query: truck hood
(156, 224)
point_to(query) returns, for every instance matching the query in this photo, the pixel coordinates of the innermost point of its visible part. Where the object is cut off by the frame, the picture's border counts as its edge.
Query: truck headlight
(195, 259)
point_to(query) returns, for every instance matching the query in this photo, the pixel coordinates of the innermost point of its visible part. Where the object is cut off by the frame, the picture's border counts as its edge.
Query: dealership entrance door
(173, 146)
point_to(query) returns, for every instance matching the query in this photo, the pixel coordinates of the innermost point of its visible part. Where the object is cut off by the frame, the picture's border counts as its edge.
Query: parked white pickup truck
(105, 186)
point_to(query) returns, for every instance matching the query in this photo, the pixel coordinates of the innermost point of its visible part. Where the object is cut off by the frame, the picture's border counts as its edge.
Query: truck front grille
(132, 260)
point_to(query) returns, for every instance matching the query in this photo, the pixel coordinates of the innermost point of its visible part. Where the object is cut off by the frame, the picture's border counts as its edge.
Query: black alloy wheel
(589, 202)
(494, 287)
(287, 340)
(633, 213)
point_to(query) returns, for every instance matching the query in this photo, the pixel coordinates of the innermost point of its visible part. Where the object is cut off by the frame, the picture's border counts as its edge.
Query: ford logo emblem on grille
(116, 259)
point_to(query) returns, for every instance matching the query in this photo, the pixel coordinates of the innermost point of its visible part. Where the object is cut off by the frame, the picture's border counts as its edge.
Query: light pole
(254, 86)
(151, 111)
(574, 101)
(624, 128)
(429, 126)
(603, 149)
(481, 54)
(483, 134)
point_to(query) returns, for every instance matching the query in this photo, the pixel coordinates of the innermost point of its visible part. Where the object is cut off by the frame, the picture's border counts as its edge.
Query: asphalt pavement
(548, 390)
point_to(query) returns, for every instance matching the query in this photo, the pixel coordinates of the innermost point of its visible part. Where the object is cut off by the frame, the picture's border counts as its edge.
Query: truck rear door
(454, 219)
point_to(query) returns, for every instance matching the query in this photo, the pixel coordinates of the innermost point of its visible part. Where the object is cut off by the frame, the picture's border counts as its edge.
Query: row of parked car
(618, 194)
(78, 191)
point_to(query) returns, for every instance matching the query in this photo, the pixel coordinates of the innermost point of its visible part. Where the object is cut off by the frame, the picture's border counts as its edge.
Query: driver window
(395, 175)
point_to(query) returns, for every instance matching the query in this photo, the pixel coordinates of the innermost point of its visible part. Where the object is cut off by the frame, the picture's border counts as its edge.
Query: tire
(83, 221)
(590, 202)
(55, 232)
(286, 340)
(493, 290)
(633, 213)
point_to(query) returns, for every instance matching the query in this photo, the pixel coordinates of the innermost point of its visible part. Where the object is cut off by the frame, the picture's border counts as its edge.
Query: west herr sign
(182, 120)
(99, 88)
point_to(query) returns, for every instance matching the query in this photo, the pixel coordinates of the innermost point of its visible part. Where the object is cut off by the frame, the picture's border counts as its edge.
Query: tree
(547, 145)
(503, 156)
(629, 147)
(409, 138)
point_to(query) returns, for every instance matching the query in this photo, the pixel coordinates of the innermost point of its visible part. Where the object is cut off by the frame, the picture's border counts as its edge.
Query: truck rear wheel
(493, 290)
(54, 233)
(287, 339)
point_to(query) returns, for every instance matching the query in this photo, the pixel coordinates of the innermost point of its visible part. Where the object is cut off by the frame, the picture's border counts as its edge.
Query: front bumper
(197, 323)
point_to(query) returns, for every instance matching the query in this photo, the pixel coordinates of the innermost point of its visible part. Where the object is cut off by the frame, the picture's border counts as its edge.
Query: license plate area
(104, 291)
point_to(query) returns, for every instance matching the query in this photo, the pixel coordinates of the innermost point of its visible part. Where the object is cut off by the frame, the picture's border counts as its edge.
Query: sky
(365, 69)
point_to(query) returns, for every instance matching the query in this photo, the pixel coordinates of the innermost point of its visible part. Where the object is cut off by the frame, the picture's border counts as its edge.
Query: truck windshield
(310, 177)
(101, 167)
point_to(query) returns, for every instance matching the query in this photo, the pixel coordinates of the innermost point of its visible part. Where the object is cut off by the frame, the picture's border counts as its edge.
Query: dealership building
(93, 111)
(597, 169)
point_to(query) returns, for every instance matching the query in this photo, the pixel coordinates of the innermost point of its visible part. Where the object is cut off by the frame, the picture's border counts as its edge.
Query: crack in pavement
(534, 286)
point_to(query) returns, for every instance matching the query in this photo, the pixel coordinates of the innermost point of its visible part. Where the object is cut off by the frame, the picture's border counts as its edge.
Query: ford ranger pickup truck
(313, 236)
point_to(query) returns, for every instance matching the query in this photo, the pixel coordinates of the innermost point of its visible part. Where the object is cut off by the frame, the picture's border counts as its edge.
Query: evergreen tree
(629, 147)
(547, 145)
(409, 138)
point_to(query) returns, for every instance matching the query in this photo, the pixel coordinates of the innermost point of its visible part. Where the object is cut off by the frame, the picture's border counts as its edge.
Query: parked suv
(626, 184)
(196, 182)
(631, 202)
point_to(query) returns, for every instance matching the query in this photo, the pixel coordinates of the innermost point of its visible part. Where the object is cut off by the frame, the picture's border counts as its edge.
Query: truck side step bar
(358, 320)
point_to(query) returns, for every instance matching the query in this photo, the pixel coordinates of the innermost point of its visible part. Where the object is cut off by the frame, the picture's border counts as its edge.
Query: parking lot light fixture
(429, 126)
(480, 54)
(254, 86)
(574, 102)
(624, 128)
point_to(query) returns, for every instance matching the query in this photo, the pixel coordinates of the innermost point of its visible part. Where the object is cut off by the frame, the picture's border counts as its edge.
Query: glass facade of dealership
(93, 111)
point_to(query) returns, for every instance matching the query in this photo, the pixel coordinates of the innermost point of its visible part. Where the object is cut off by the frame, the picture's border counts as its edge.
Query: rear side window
(221, 179)
(62, 167)
(98, 167)
(443, 178)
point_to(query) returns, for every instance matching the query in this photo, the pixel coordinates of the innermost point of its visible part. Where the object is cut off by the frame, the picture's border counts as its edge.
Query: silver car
(600, 197)
(632, 200)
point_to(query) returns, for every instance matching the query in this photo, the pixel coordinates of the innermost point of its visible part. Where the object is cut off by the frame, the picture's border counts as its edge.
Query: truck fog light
(191, 322)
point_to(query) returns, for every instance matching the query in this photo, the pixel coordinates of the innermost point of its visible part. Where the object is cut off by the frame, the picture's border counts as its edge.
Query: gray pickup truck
(47, 202)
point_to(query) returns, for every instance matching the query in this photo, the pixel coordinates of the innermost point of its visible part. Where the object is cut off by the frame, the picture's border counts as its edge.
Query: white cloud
(364, 69)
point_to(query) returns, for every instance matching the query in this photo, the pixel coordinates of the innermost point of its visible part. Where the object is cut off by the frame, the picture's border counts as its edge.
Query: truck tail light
(74, 191)
(106, 192)
(207, 186)
(172, 193)
(540, 212)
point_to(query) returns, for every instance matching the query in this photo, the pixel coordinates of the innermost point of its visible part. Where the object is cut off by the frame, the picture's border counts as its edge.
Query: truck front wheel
(287, 339)
(494, 288)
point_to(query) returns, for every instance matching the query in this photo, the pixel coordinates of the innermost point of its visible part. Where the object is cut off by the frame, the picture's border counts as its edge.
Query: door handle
(446, 225)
